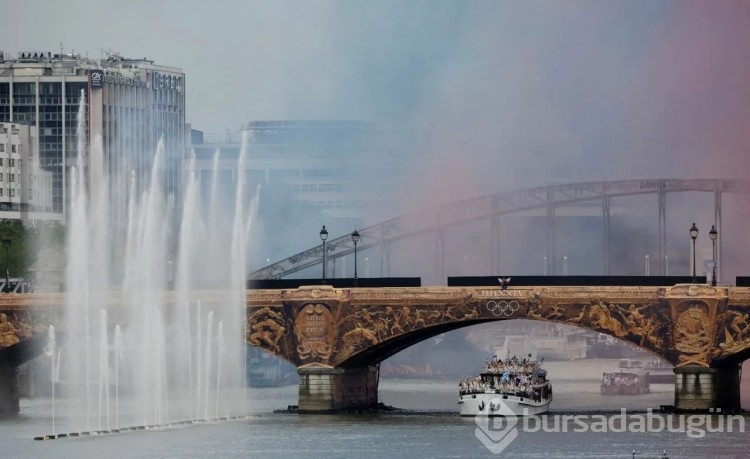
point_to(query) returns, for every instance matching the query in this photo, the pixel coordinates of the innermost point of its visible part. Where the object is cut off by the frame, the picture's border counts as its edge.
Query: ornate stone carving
(692, 332)
(733, 333)
(687, 324)
(315, 292)
(693, 329)
(19, 325)
(9, 334)
(503, 308)
(266, 328)
(313, 328)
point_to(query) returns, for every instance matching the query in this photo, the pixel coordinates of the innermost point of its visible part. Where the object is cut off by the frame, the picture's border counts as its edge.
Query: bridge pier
(9, 403)
(701, 388)
(331, 390)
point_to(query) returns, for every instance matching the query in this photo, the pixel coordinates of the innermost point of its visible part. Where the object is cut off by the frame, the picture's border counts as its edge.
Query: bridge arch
(377, 353)
(337, 337)
(491, 207)
(685, 324)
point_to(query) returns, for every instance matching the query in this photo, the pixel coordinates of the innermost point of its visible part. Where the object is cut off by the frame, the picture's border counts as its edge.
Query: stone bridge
(337, 337)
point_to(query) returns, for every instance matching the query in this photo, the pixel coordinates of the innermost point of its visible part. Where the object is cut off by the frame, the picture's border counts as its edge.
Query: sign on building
(96, 78)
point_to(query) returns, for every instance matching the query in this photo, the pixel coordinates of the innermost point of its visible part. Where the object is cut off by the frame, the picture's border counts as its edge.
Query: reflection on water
(433, 430)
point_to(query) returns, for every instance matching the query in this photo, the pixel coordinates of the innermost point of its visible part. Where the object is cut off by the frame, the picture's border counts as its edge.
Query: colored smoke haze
(469, 98)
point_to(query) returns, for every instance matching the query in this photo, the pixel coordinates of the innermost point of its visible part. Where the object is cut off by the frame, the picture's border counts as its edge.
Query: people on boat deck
(620, 379)
(512, 365)
(512, 375)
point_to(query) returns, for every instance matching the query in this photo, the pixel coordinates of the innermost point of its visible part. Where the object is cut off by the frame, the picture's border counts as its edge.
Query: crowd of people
(623, 384)
(512, 376)
(620, 379)
(512, 365)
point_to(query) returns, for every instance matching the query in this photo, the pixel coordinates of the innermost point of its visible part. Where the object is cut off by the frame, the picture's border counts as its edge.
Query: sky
(610, 82)
(494, 95)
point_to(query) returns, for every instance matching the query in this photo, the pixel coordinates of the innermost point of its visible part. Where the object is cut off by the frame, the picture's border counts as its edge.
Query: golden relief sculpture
(733, 332)
(314, 292)
(556, 312)
(313, 328)
(266, 329)
(371, 326)
(639, 324)
(693, 330)
(686, 324)
(18, 327)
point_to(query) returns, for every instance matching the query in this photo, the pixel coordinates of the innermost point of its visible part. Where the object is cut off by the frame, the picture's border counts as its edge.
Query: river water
(429, 428)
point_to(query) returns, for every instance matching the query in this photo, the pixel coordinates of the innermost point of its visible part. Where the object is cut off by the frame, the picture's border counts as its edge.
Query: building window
(12, 162)
(12, 178)
(2, 148)
(13, 148)
(11, 192)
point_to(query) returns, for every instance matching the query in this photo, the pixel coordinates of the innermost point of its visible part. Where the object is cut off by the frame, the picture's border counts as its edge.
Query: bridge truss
(492, 207)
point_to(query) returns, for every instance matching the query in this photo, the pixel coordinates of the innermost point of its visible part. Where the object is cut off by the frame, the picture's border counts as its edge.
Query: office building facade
(306, 171)
(25, 189)
(130, 104)
(307, 161)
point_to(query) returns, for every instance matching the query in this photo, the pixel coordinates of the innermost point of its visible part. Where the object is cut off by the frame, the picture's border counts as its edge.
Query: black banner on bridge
(346, 282)
(743, 281)
(577, 281)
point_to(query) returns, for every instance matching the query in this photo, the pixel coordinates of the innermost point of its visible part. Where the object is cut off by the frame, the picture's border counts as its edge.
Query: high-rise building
(131, 104)
(25, 190)
(307, 172)
(308, 161)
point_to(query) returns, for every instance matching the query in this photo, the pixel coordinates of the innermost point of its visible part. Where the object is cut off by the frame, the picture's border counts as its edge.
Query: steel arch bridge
(492, 207)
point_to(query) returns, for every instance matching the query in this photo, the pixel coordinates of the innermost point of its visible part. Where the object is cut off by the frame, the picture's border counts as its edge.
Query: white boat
(506, 388)
(629, 379)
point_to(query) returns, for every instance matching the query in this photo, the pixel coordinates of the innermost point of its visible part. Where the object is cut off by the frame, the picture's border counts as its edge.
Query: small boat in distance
(629, 379)
(510, 387)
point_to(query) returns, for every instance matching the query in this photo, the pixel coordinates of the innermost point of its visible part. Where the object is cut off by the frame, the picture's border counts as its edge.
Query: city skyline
(618, 79)
(472, 98)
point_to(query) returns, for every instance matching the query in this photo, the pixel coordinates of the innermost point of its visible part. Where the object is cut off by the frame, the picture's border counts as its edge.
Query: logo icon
(503, 307)
(495, 432)
(97, 77)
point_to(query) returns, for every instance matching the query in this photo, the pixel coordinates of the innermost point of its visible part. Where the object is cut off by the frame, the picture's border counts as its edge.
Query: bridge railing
(19, 285)
(484, 207)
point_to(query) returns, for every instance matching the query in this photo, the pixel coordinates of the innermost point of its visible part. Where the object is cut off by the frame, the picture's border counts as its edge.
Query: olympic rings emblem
(502, 307)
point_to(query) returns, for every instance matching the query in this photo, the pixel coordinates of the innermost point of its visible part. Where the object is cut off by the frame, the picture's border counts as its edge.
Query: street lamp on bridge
(323, 237)
(694, 236)
(713, 234)
(6, 243)
(355, 239)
